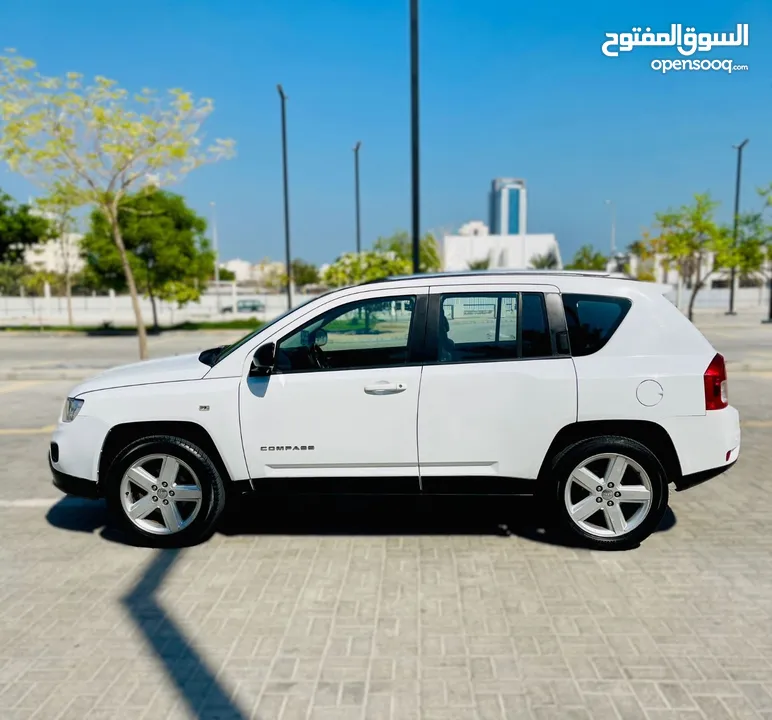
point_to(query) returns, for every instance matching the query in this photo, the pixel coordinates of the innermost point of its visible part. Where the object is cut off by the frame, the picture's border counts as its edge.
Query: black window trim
(415, 338)
(431, 353)
(556, 317)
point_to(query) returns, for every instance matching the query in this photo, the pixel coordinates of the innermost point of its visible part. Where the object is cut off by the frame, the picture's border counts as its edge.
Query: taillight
(716, 392)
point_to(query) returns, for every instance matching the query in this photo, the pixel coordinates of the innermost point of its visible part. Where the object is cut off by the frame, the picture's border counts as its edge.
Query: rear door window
(592, 320)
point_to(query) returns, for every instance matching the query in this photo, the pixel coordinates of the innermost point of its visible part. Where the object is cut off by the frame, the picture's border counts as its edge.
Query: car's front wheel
(165, 492)
(611, 491)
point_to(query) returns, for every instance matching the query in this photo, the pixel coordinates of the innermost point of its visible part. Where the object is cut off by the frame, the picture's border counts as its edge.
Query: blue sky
(507, 88)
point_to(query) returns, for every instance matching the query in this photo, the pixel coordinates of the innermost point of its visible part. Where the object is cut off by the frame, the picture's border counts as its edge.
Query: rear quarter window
(592, 320)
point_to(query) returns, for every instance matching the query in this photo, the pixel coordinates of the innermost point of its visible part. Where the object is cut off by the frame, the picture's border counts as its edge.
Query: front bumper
(71, 485)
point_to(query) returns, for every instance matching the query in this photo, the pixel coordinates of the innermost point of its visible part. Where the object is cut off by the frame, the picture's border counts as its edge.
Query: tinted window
(368, 333)
(484, 327)
(592, 320)
(535, 332)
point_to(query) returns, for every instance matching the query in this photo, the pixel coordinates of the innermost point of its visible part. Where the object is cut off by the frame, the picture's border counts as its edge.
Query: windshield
(230, 348)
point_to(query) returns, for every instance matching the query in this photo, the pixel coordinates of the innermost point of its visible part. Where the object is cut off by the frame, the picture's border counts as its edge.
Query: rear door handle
(385, 388)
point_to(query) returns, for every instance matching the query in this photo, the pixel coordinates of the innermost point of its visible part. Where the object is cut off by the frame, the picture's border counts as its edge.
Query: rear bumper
(689, 481)
(71, 485)
(707, 443)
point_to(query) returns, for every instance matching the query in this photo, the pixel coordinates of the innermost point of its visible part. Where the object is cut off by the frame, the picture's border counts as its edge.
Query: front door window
(363, 334)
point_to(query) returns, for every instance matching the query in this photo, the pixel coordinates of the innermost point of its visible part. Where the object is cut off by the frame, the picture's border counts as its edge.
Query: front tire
(611, 491)
(165, 492)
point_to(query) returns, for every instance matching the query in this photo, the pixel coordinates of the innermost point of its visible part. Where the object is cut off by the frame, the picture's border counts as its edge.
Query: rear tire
(165, 492)
(610, 491)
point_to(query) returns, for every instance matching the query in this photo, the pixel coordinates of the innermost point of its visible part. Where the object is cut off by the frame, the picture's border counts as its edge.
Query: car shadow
(359, 515)
(403, 515)
(202, 691)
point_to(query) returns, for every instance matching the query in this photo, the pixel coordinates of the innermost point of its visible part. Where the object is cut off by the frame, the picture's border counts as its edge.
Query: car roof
(565, 281)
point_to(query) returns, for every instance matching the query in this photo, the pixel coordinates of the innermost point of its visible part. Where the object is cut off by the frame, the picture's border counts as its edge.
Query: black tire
(203, 525)
(570, 458)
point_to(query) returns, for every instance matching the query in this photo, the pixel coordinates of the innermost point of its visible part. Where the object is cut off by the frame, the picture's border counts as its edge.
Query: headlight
(72, 407)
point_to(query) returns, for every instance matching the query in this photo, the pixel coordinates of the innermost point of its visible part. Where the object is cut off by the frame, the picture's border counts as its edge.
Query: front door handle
(385, 388)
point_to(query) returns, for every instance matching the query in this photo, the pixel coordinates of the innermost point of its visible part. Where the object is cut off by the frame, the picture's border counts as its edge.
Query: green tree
(12, 278)
(227, 275)
(20, 229)
(587, 258)
(691, 238)
(750, 253)
(401, 244)
(304, 273)
(100, 143)
(355, 268)
(166, 245)
(548, 261)
(482, 264)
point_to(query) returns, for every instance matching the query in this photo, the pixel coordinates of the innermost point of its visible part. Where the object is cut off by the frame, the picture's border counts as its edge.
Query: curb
(49, 375)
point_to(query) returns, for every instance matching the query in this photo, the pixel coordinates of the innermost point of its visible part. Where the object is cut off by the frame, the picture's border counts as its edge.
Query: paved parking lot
(380, 609)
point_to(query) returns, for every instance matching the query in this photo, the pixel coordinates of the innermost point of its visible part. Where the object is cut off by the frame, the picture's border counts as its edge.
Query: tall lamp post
(216, 256)
(414, 135)
(613, 207)
(287, 252)
(356, 195)
(733, 276)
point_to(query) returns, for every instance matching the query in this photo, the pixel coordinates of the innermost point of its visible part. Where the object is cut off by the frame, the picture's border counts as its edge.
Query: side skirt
(473, 485)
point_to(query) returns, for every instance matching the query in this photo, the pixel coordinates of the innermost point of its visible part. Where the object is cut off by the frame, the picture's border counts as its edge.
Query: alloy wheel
(608, 495)
(161, 494)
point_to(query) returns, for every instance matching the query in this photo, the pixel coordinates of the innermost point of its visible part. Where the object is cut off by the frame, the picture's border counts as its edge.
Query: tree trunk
(68, 293)
(697, 282)
(153, 305)
(118, 238)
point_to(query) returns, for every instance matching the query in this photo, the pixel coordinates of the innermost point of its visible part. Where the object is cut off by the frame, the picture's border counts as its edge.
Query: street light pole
(733, 276)
(286, 195)
(356, 195)
(216, 256)
(414, 134)
(613, 207)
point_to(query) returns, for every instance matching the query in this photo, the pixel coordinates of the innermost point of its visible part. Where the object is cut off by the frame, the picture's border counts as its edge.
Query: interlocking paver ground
(385, 608)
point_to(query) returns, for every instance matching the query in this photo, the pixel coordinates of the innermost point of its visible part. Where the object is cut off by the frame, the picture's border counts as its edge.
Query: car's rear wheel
(165, 492)
(611, 491)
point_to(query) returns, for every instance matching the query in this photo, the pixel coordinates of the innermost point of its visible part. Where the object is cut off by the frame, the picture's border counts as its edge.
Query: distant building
(474, 227)
(502, 252)
(241, 269)
(508, 211)
(59, 255)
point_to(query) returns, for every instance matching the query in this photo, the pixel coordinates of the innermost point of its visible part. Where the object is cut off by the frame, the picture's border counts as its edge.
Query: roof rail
(483, 273)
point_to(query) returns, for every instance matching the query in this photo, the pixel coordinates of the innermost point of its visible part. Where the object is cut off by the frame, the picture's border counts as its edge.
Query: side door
(497, 386)
(342, 400)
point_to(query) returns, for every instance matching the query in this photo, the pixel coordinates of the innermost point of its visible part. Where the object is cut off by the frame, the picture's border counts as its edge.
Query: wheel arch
(123, 434)
(650, 434)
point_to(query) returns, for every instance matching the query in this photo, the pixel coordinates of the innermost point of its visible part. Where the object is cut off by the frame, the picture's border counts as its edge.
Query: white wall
(117, 310)
(510, 252)
(95, 310)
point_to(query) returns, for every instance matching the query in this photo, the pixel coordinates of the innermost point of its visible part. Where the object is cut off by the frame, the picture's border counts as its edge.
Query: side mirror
(313, 338)
(320, 338)
(265, 358)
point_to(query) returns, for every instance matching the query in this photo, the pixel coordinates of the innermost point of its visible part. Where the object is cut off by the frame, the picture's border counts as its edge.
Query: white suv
(592, 392)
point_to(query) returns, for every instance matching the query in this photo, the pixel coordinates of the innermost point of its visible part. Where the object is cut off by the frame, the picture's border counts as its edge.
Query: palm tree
(548, 261)
(587, 258)
(483, 264)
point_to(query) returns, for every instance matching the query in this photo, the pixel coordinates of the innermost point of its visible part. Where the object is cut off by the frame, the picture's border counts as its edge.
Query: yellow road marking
(28, 431)
(19, 385)
(756, 423)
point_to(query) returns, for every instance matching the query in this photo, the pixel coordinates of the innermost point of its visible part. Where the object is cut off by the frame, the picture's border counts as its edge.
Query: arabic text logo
(687, 43)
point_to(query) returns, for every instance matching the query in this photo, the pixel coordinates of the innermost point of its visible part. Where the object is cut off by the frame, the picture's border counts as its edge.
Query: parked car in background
(593, 393)
(245, 306)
